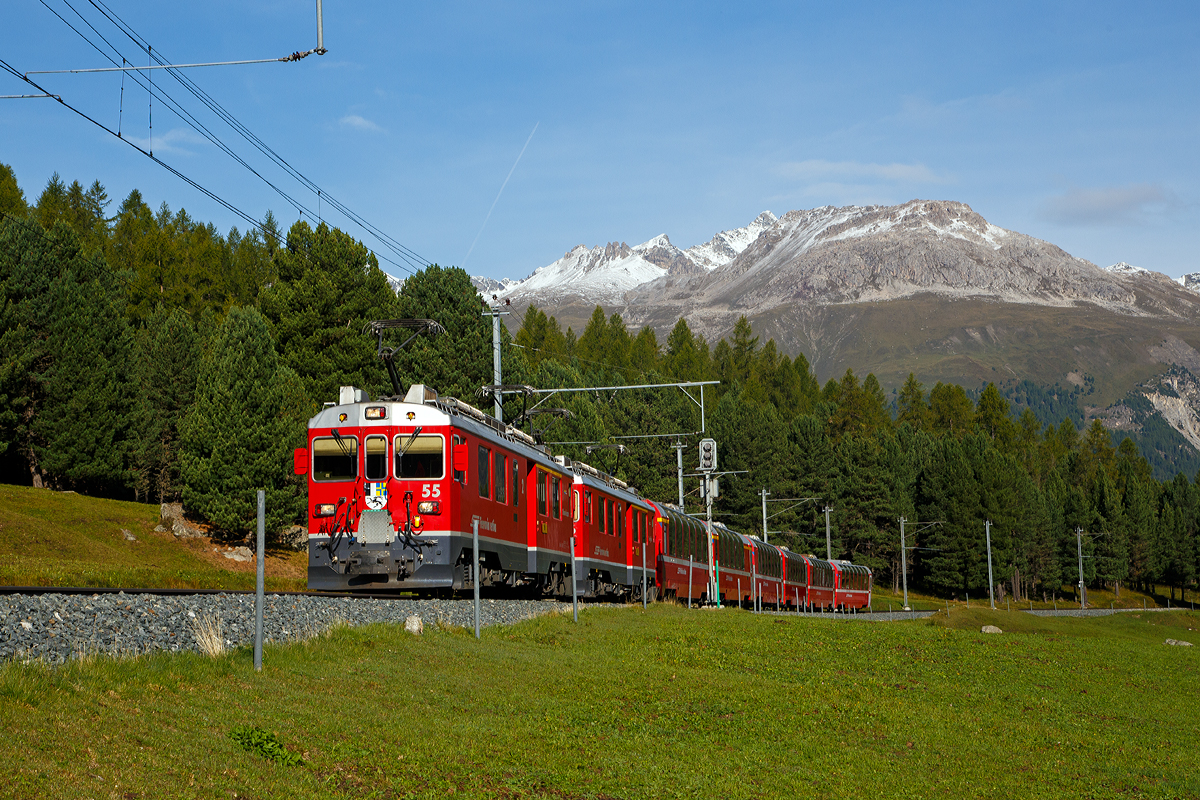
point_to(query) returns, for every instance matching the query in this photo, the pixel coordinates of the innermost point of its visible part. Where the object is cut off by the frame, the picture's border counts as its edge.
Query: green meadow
(631, 704)
(53, 538)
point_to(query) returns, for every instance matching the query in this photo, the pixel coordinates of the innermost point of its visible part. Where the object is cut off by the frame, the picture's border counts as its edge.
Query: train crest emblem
(376, 496)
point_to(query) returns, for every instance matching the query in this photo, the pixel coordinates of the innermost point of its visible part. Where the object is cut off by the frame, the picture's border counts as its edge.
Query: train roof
(423, 405)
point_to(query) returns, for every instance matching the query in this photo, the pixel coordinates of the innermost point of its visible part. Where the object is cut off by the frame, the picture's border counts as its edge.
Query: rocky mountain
(605, 274)
(927, 286)
(855, 254)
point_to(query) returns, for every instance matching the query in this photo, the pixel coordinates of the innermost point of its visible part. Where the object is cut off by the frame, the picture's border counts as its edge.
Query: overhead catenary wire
(208, 193)
(388, 241)
(161, 66)
(410, 259)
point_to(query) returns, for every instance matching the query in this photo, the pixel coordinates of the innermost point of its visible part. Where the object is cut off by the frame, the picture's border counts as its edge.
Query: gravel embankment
(57, 627)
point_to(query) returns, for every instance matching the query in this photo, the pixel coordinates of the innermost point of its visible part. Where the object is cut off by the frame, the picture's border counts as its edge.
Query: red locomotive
(395, 487)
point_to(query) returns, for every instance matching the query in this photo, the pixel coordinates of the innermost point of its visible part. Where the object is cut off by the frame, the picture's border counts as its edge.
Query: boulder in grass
(1178, 643)
(239, 554)
(414, 625)
(990, 629)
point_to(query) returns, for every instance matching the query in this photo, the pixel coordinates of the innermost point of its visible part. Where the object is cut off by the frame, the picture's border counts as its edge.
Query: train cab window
(555, 497)
(587, 505)
(516, 481)
(377, 462)
(500, 463)
(485, 488)
(335, 459)
(541, 492)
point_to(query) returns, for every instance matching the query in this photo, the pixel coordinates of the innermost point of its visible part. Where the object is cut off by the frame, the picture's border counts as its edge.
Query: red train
(395, 488)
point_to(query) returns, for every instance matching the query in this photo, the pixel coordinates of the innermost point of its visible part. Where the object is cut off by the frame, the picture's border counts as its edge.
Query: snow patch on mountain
(1122, 268)
(488, 286)
(728, 245)
(1190, 281)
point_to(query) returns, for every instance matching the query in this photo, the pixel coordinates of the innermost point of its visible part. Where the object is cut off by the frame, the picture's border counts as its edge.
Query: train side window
(541, 492)
(620, 520)
(587, 505)
(500, 465)
(484, 467)
(377, 461)
(603, 513)
(555, 496)
(335, 459)
(516, 481)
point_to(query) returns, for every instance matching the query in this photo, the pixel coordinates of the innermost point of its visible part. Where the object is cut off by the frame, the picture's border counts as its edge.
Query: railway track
(93, 590)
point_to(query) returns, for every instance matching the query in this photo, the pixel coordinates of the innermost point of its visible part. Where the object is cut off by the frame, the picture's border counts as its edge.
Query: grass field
(669, 703)
(53, 538)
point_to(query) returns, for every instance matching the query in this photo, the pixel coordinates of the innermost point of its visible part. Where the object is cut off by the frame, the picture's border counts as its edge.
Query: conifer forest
(146, 355)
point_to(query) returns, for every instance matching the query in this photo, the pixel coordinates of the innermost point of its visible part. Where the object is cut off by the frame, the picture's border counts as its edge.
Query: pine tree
(168, 354)
(330, 287)
(458, 362)
(65, 393)
(239, 434)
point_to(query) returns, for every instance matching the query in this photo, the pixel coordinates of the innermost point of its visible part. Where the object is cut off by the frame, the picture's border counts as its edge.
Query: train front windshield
(419, 459)
(335, 459)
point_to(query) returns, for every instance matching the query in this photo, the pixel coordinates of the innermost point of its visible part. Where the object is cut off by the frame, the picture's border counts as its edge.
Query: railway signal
(708, 455)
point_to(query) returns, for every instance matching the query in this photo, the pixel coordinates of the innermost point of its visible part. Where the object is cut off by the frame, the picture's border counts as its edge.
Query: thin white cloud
(359, 123)
(840, 171)
(1109, 205)
(171, 141)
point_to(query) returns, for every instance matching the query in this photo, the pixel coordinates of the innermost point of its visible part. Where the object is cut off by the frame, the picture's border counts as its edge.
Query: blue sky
(1077, 123)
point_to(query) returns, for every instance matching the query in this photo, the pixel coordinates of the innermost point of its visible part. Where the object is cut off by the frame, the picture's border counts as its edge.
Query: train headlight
(429, 507)
(324, 510)
(418, 524)
(377, 412)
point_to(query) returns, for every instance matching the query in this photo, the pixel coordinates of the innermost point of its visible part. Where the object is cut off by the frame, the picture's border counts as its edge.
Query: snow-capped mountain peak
(728, 245)
(599, 273)
(605, 274)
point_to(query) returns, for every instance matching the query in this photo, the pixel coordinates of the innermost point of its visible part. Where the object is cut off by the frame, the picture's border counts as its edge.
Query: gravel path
(56, 627)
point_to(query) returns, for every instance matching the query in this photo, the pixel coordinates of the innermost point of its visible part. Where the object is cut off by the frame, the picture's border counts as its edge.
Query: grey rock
(129, 537)
(990, 629)
(413, 625)
(1178, 643)
(295, 537)
(239, 554)
(186, 530)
